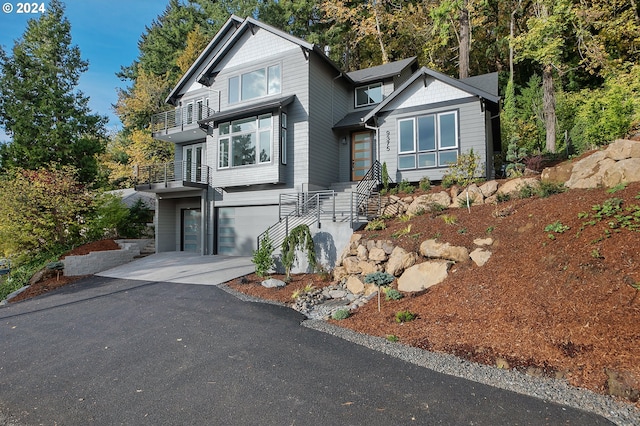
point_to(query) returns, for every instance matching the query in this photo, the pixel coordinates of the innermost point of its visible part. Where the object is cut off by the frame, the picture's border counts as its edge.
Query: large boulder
(475, 196)
(489, 188)
(351, 264)
(622, 149)
(399, 260)
(588, 172)
(627, 170)
(426, 202)
(355, 284)
(514, 185)
(557, 174)
(424, 275)
(437, 250)
(377, 255)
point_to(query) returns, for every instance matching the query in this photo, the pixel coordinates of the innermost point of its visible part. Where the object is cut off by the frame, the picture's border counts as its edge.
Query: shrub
(263, 257)
(425, 184)
(449, 219)
(376, 225)
(526, 191)
(465, 170)
(392, 338)
(299, 238)
(405, 316)
(547, 189)
(503, 197)
(341, 314)
(406, 187)
(379, 278)
(392, 294)
(385, 177)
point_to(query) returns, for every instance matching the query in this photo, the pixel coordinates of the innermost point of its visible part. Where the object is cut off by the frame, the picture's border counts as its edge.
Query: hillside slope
(563, 304)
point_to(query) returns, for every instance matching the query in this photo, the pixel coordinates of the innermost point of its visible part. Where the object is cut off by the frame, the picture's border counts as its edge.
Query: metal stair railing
(306, 208)
(366, 195)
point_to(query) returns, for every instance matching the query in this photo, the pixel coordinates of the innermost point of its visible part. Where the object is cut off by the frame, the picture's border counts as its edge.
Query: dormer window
(254, 84)
(369, 95)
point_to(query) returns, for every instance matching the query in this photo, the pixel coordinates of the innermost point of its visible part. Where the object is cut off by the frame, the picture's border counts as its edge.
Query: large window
(428, 141)
(369, 95)
(254, 84)
(245, 142)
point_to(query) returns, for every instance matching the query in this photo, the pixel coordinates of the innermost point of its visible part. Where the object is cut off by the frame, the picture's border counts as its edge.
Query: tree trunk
(385, 58)
(465, 40)
(549, 107)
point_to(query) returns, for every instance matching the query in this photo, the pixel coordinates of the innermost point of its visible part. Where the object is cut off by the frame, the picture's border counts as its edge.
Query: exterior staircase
(354, 202)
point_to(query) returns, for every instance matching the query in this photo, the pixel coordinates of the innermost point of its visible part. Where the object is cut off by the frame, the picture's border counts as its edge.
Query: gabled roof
(380, 72)
(486, 82)
(249, 24)
(232, 22)
(426, 72)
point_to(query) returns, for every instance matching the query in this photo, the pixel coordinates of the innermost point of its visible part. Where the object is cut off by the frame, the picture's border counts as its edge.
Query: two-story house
(267, 127)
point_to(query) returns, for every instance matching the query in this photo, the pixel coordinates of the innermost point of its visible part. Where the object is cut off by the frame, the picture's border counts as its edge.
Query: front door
(361, 154)
(193, 158)
(191, 226)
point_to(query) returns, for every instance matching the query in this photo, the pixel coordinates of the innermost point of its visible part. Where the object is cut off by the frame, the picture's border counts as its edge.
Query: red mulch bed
(566, 306)
(53, 282)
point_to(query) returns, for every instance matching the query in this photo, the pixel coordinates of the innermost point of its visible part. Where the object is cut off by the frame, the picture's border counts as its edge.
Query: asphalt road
(108, 351)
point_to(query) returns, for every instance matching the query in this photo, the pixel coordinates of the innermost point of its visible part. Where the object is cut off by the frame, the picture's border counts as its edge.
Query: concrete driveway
(108, 351)
(184, 268)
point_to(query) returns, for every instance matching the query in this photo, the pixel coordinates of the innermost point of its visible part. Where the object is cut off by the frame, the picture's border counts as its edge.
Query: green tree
(41, 209)
(47, 119)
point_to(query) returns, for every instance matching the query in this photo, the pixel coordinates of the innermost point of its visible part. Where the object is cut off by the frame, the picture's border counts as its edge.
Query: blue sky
(107, 33)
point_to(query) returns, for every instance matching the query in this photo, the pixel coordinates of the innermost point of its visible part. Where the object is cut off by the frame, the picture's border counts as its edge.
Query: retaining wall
(99, 261)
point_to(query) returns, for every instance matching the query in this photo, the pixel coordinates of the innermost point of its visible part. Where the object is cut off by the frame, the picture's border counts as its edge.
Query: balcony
(181, 124)
(172, 177)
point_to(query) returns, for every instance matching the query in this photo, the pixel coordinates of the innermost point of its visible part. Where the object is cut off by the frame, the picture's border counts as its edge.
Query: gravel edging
(547, 389)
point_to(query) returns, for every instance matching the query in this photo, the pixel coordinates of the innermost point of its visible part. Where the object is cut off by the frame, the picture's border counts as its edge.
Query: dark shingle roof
(485, 82)
(381, 71)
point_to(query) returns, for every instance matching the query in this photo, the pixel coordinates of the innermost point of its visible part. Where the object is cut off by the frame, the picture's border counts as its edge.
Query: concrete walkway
(183, 268)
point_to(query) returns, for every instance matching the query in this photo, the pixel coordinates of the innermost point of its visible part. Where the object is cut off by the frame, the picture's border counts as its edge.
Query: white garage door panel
(239, 227)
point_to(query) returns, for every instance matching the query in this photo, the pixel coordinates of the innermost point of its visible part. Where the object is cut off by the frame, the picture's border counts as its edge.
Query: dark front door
(361, 154)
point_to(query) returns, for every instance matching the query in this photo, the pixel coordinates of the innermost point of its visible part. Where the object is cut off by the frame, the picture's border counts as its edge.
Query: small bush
(263, 257)
(425, 184)
(526, 191)
(402, 232)
(392, 294)
(406, 187)
(462, 202)
(556, 227)
(392, 338)
(379, 278)
(547, 189)
(405, 316)
(449, 219)
(341, 314)
(502, 197)
(375, 225)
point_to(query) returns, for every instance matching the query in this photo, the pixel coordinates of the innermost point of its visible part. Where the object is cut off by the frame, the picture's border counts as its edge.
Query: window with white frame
(245, 142)
(254, 84)
(369, 95)
(428, 141)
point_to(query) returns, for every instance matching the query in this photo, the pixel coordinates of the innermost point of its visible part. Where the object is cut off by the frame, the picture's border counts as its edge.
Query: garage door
(238, 228)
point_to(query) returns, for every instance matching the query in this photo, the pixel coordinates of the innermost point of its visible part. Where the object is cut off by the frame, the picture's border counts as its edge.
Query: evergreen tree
(48, 120)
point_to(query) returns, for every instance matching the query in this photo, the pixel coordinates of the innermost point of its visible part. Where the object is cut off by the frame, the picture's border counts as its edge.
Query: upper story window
(369, 95)
(254, 84)
(245, 142)
(428, 141)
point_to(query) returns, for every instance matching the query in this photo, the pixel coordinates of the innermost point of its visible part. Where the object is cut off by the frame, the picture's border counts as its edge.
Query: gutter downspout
(377, 144)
